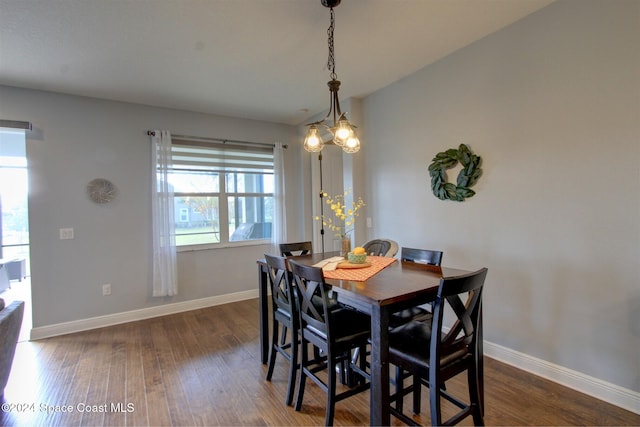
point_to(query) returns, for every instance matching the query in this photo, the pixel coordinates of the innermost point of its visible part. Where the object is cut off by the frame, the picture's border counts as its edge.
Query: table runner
(360, 274)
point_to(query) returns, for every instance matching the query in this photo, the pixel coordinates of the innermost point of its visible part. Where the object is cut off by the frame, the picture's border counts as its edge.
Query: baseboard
(608, 392)
(131, 316)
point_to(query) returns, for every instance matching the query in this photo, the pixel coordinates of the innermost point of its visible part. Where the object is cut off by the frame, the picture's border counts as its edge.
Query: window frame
(223, 195)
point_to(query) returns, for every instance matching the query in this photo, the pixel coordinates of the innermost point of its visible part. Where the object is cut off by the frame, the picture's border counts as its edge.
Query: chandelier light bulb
(342, 132)
(313, 142)
(352, 144)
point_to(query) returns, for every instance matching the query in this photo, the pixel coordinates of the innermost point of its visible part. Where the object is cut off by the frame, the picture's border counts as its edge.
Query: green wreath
(467, 177)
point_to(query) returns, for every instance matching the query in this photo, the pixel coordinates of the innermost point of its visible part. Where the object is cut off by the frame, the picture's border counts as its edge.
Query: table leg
(263, 301)
(379, 404)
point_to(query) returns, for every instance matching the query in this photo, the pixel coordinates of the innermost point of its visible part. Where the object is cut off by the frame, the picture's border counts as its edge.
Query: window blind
(220, 157)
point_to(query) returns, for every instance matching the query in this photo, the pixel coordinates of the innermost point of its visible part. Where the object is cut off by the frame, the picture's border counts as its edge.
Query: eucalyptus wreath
(467, 176)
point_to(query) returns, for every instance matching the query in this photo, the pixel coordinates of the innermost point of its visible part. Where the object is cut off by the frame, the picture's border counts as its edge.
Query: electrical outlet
(106, 289)
(66, 234)
(369, 222)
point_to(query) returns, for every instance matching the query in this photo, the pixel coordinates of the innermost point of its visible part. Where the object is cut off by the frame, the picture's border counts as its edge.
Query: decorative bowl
(356, 258)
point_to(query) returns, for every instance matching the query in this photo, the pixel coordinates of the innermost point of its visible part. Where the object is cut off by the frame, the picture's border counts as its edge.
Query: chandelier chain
(331, 61)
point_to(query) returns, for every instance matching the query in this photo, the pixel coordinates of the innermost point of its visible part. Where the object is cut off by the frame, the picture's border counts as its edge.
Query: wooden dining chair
(296, 249)
(283, 313)
(421, 256)
(433, 354)
(425, 257)
(332, 334)
(381, 247)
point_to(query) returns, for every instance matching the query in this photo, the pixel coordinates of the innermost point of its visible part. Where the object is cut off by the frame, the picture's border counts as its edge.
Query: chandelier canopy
(343, 131)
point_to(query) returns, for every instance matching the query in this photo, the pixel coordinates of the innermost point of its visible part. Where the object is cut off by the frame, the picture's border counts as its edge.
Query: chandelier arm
(337, 112)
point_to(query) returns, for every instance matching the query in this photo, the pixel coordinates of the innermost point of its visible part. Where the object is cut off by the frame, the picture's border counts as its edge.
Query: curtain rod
(224, 141)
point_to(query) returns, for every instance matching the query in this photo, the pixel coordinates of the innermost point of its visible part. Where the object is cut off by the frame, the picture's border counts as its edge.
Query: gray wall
(77, 139)
(551, 104)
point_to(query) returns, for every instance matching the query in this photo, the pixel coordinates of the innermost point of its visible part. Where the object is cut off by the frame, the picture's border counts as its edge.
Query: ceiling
(256, 59)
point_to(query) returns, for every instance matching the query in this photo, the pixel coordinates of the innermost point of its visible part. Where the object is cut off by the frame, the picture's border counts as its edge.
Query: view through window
(14, 217)
(223, 193)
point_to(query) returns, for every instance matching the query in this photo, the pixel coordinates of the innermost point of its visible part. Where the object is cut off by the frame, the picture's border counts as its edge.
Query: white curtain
(165, 276)
(278, 228)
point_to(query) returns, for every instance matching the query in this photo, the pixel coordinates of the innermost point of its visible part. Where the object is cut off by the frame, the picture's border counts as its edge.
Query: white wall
(551, 104)
(77, 139)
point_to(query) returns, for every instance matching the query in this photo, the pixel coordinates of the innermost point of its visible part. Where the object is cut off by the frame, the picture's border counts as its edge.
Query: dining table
(384, 287)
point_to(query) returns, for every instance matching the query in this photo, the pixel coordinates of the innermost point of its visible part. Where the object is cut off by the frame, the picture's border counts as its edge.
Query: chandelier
(343, 132)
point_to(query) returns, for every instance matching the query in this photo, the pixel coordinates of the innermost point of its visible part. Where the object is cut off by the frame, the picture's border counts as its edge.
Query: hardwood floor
(203, 368)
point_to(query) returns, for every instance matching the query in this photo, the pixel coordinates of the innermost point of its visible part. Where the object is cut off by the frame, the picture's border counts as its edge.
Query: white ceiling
(259, 59)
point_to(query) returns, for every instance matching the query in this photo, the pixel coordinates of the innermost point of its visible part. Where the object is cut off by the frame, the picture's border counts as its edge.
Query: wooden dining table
(395, 287)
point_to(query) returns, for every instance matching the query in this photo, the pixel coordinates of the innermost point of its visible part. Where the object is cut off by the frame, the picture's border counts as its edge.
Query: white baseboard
(611, 393)
(131, 316)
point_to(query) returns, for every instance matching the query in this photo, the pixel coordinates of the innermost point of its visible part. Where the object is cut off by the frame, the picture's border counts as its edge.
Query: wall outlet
(106, 289)
(369, 222)
(66, 234)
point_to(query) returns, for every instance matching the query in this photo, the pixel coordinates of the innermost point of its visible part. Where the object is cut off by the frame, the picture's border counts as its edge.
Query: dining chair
(415, 256)
(433, 353)
(381, 247)
(283, 312)
(333, 333)
(377, 247)
(296, 249)
(421, 256)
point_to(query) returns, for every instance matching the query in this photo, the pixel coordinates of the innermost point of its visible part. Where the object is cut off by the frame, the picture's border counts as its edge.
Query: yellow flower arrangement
(345, 217)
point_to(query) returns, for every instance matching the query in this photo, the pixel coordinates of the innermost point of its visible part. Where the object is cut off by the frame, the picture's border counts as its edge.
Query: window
(184, 215)
(14, 216)
(223, 192)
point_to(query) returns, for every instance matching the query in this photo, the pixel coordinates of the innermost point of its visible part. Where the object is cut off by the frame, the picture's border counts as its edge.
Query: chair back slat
(421, 256)
(377, 247)
(464, 331)
(296, 249)
(281, 287)
(310, 285)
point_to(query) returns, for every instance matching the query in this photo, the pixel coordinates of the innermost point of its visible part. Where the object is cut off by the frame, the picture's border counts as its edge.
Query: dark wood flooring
(202, 368)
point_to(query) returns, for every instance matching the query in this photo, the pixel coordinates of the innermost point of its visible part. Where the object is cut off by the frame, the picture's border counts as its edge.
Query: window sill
(206, 247)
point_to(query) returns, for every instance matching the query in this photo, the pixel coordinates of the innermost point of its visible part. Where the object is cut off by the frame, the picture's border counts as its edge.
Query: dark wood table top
(394, 284)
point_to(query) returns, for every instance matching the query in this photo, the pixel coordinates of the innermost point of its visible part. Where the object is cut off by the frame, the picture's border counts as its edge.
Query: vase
(346, 246)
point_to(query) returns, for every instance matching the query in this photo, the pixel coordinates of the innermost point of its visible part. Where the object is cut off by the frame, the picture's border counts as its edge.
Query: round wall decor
(101, 190)
(467, 177)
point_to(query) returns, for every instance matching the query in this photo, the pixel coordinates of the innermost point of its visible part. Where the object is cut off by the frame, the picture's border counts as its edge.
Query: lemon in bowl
(357, 256)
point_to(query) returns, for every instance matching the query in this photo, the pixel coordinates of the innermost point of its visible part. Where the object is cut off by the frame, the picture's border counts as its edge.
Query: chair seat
(412, 341)
(404, 316)
(348, 325)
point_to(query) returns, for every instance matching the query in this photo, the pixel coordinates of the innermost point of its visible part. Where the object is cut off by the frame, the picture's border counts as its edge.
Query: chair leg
(283, 338)
(399, 389)
(304, 355)
(331, 391)
(475, 396)
(417, 394)
(345, 373)
(435, 405)
(273, 352)
(293, 368)
(363, 362)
